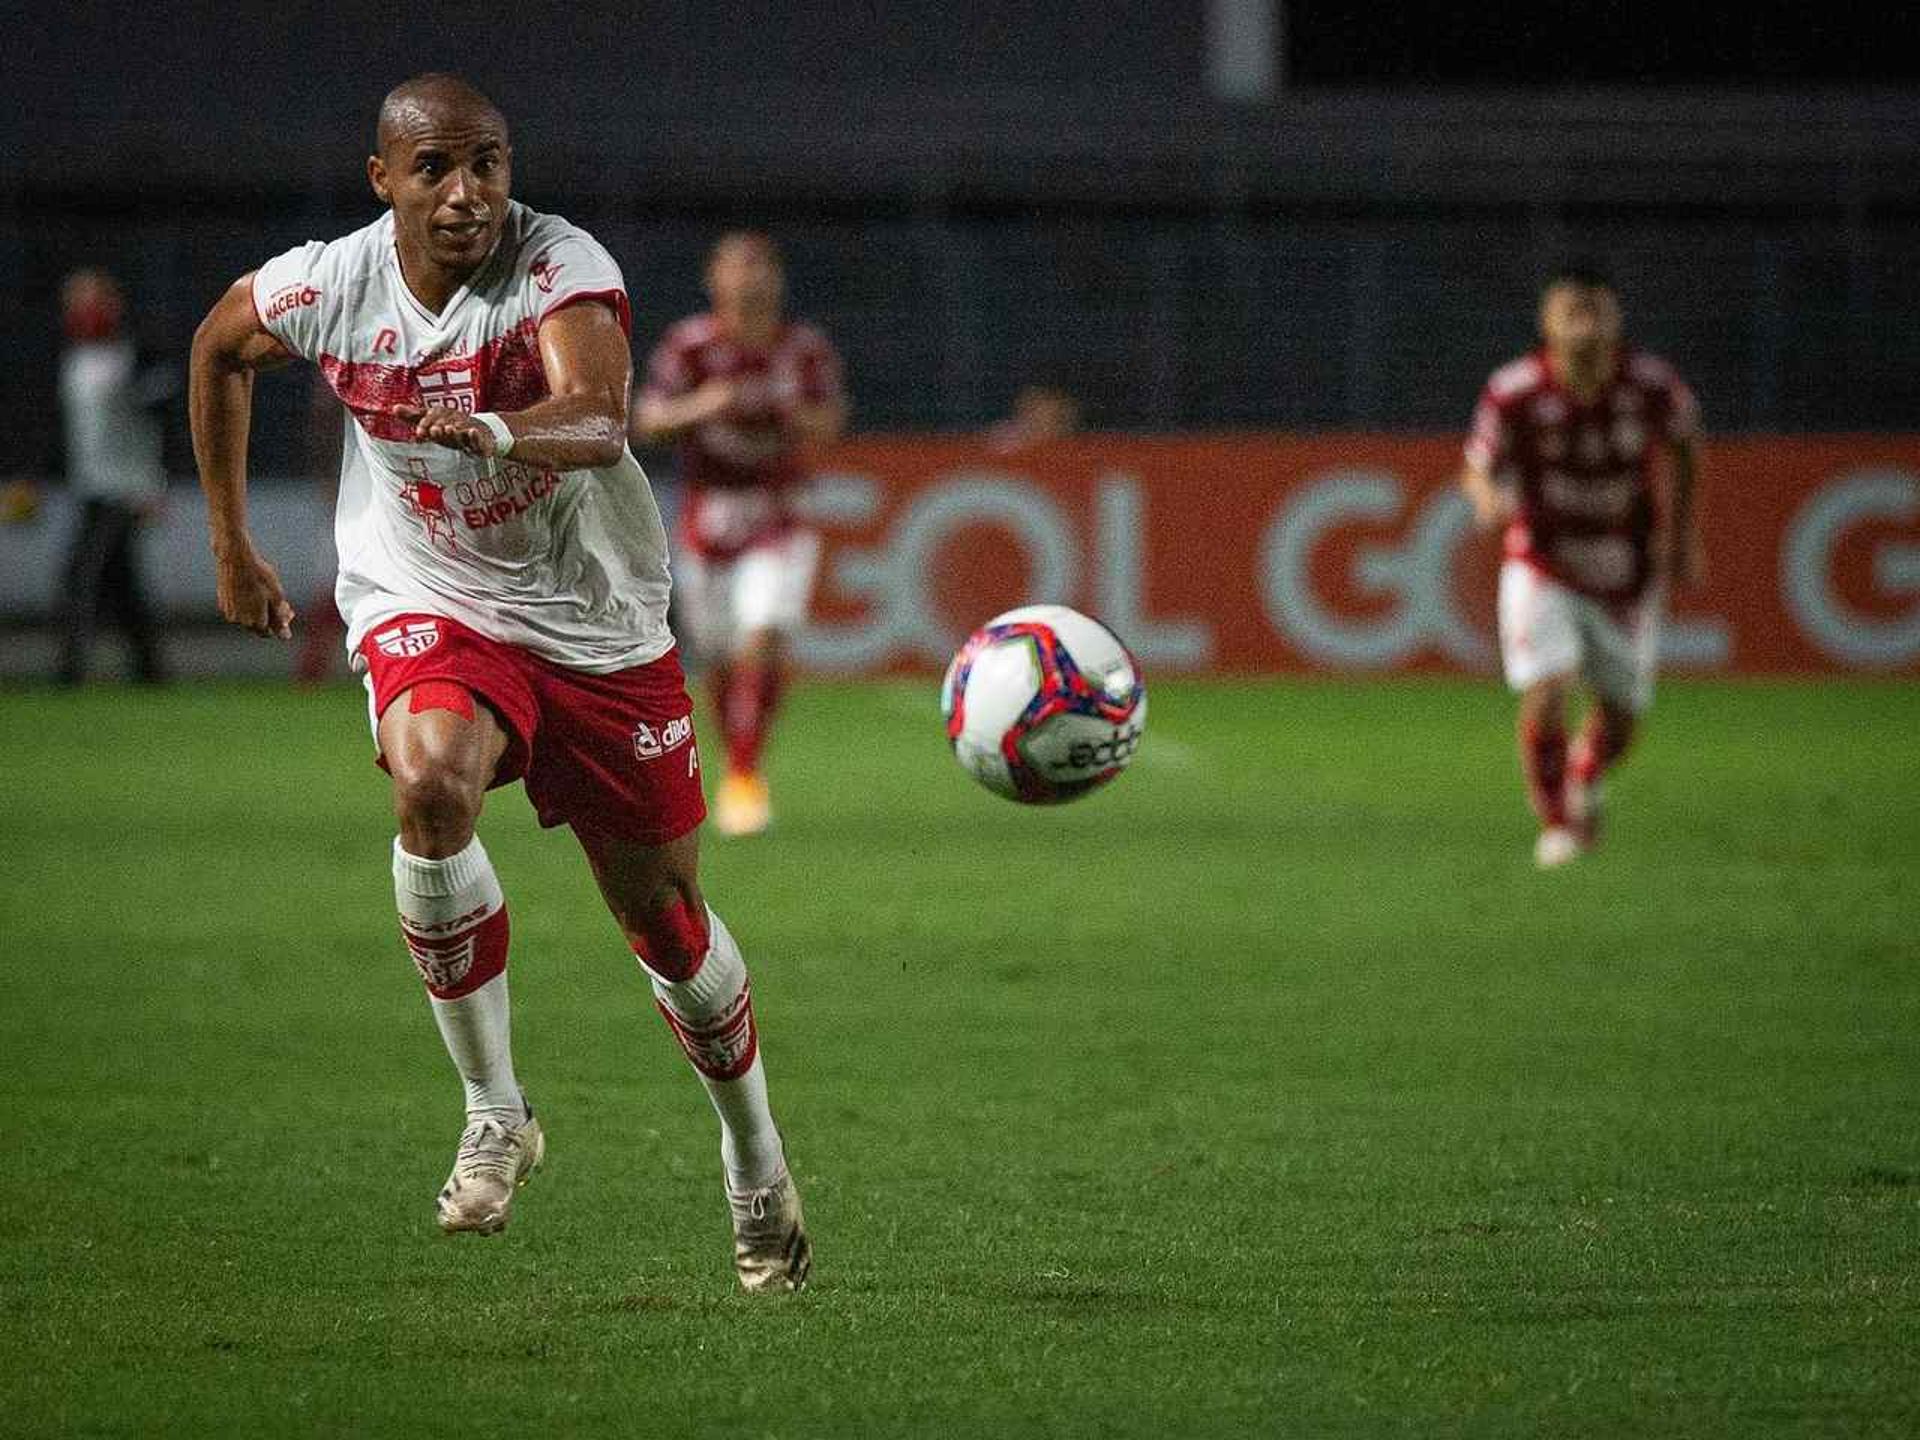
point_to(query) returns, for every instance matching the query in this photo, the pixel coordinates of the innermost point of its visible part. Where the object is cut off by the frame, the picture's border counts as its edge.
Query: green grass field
(1270, 1092)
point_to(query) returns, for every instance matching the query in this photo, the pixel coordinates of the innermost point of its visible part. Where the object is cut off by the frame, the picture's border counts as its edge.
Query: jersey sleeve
(1491, 438)
(289, 294)
(1682, 411)
(821, 382)
(573, 268)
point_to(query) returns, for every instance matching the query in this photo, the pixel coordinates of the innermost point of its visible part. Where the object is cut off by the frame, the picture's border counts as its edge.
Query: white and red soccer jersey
(571, 565)
(1584, 470)
(741, 469)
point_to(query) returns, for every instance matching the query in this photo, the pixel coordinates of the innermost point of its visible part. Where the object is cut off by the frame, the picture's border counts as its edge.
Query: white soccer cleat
(743, 805)
(771, 1251)
(1557, 846)
(493, 1161)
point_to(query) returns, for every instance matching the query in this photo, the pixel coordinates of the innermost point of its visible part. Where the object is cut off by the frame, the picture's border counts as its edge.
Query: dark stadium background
(974, 196)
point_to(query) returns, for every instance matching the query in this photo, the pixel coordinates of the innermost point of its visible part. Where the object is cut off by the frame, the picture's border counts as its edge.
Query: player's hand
(250, 593)
(439, 425)
(713, 399)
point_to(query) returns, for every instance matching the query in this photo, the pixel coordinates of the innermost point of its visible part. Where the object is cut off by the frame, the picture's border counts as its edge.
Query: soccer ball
(1043, 705)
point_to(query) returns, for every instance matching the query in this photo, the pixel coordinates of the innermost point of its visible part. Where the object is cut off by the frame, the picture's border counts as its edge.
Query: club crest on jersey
(650, 743)
(454, 388)
(406, 641)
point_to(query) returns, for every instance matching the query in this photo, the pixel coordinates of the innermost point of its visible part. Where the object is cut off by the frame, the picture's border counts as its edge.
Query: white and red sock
(1543, 759)
(711, 1015)
(454, 920)
(749, 695)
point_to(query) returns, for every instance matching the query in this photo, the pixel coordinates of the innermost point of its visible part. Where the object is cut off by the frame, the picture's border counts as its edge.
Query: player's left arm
(581, 425)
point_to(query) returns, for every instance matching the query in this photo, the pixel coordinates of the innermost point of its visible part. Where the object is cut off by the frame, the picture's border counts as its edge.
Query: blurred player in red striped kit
(1586, 453)
(503, 579)
(746, 393)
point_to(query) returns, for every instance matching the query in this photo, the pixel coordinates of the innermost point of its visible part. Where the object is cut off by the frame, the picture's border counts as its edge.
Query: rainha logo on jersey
(404, 641)
(544, 271)
(650, 743)
(290, 297)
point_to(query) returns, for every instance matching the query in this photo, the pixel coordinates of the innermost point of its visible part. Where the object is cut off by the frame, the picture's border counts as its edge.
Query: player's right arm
(670, 402)
(659, 418)
(230, 345)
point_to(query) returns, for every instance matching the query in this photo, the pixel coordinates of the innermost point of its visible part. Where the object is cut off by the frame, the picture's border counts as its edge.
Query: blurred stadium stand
(977, 197)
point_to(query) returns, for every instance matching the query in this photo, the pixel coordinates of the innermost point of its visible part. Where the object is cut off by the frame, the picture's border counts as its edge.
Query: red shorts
(611, 755)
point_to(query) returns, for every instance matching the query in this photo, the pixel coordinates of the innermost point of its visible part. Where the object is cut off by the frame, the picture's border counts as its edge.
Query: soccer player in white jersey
(1585, 451)
(504, 583)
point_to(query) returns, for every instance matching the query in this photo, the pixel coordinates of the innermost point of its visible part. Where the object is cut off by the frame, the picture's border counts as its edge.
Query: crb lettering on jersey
(1116, 749)
(289, 297)
(650, 743)
(452, 387)
(405, 641)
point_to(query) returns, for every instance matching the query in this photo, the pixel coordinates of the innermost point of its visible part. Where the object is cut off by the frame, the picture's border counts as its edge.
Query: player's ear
(377, 177)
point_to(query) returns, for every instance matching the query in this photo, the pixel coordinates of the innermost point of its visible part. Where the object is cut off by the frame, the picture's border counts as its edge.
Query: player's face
(447, 180)
(743, 275)
(1580, 320)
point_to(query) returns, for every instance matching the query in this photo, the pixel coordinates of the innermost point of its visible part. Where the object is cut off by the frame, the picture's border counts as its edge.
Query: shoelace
(486, 1149)
(752, 1205)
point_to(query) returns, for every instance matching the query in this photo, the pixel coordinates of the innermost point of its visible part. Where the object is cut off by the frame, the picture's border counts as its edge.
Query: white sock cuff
(715, 985)
(443, 879)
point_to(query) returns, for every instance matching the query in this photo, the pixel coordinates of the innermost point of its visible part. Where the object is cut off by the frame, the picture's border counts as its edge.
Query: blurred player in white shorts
(1586, 453)
(746, 393)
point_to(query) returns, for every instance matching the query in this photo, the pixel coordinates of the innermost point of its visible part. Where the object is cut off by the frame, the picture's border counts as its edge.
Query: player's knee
(669, 933)
(765, 646)
(1543, 705)
(435, 798)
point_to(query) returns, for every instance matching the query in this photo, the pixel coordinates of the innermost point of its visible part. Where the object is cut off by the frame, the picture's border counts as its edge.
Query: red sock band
(465, 955)
(440, 695)
(674, 940)
(748, 698)
(1603, 739)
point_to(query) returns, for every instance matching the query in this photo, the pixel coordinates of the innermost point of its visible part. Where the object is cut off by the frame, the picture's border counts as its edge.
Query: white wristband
(502, 436)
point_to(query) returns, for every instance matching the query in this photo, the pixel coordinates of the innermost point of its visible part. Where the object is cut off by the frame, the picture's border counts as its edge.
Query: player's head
(1579, 311)
(745, 272)
(442, 161)
(91, 306)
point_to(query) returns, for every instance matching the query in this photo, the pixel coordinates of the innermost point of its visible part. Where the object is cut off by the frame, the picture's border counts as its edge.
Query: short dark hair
(1585, 274)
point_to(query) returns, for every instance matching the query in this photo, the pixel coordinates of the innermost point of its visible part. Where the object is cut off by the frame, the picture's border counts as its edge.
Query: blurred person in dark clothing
(108, 402)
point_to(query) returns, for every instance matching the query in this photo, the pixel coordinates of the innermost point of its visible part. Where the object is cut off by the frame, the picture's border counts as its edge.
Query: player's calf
(1604, 737)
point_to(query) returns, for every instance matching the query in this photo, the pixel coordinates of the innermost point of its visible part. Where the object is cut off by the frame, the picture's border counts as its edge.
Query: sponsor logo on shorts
(405, 641)
(651, 742)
